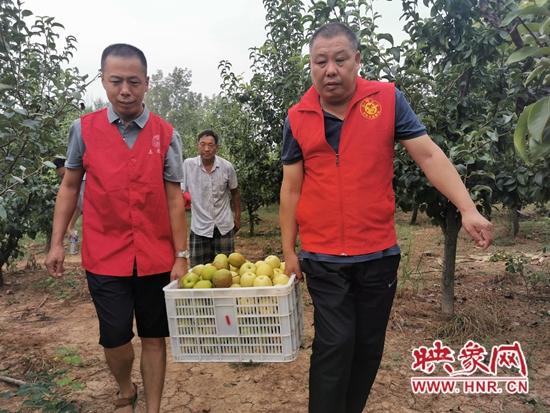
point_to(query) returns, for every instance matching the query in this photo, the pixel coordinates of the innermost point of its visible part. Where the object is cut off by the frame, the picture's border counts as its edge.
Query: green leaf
(534, 74)
(520, 134)
(526, 52)
(526, 11)
(482, 188)
(385, 36)
(482, 174)
(3, 86)
(538, 119)
(3, 214)
(49, 164)
(31, 123)
(396, 53)
(21, 111)
(17, 179)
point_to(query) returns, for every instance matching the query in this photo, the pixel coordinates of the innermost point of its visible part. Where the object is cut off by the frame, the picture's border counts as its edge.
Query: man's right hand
(292, 265)
(54, 261)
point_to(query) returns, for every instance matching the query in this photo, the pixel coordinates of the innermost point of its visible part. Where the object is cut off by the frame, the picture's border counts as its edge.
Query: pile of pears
(236, 271)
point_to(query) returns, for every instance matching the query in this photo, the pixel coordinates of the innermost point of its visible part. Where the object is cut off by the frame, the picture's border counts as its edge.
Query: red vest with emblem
(126, 216)
(347, 204)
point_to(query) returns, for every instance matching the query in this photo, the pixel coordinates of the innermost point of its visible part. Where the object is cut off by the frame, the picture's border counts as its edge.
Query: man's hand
(237, 227)
(480, 229)
(179, 269)
(292, 265)
(54, 261)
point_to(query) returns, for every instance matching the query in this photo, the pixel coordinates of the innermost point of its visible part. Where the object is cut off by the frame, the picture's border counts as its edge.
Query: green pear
(222, 279)
(197, 269)
(221, 261)
(247, 279)
(247, 267)
(280, 279)
(262, 281)
(274, 261)
(203, 284)
(236, 259)
(264, 269)
(208, 272)
(188, 280)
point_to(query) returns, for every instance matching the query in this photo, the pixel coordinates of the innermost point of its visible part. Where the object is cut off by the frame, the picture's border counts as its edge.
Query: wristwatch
(182, 254)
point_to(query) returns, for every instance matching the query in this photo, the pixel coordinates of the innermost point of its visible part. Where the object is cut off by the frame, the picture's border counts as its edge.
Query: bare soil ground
(48, 333)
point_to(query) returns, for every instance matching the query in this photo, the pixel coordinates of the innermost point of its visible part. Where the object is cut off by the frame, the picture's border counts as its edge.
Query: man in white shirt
(216, 201)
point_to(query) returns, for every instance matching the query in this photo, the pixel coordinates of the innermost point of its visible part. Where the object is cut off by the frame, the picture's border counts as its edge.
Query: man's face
(125, 82)
(334, 67)
(207, 148)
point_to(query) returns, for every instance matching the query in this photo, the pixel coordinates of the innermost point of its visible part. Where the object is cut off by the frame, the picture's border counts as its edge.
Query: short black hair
(333, 29)
(123, 50)
(59, 163)
(208, 132)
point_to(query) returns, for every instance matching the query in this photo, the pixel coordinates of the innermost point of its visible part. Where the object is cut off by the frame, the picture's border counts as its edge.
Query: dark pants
(203, 249)
(117, 299)
(352, 304)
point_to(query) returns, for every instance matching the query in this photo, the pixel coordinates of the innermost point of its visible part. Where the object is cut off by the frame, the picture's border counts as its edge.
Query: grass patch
(49, 383)
(66, 287)
(410, 270)
(44, 392)
(478, 324)
(537, 229)
(69, 356)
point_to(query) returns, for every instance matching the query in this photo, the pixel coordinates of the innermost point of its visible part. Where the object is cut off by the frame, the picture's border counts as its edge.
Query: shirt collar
(214, 166)
(140, 121)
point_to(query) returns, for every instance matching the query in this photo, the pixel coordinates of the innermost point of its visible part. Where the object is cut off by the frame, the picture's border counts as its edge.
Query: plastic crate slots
(262, 324)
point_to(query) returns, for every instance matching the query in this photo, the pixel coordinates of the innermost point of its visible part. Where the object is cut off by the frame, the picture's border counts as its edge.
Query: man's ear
(357, 59)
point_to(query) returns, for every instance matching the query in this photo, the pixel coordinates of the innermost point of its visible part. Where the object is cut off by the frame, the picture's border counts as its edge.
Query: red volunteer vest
(126, 215)
(347, 205)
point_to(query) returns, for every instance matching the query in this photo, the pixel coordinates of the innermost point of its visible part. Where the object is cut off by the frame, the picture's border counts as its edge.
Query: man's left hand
(479, 228)
(237, 226)
(179, 269)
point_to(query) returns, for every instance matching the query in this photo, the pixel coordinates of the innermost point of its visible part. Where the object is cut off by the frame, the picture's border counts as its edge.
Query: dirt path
(43, 323)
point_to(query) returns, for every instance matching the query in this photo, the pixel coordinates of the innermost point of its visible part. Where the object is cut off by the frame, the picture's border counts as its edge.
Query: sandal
(127, 401)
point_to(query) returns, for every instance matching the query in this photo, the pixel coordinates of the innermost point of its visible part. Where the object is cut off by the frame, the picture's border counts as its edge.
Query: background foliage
(38, 93)
(475, 72)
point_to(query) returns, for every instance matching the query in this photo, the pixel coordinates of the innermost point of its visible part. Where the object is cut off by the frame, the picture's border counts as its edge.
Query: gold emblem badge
(370, 108)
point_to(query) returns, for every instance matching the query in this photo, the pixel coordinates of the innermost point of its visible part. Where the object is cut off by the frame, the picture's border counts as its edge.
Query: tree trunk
(251, 219)
(6, 251)
(514, 221)
(414, 214)
(450, 231)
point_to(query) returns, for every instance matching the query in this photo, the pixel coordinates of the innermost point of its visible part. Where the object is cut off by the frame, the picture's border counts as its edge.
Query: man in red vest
(337, 194)
(134, 229)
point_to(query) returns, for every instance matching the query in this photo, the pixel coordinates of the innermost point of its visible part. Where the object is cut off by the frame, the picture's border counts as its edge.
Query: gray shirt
(210, 195)
(173, 171)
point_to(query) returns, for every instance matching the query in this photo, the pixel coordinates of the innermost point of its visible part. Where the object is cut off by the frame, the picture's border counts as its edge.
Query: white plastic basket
(253, 324)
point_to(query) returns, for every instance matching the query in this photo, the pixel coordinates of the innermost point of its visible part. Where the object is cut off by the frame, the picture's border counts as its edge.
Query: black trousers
(352, 304)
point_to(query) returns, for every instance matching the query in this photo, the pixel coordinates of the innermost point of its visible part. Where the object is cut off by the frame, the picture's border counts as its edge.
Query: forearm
(236, 207)
(76, 214)
(178, 219)
(287, 219)
(443, 176)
